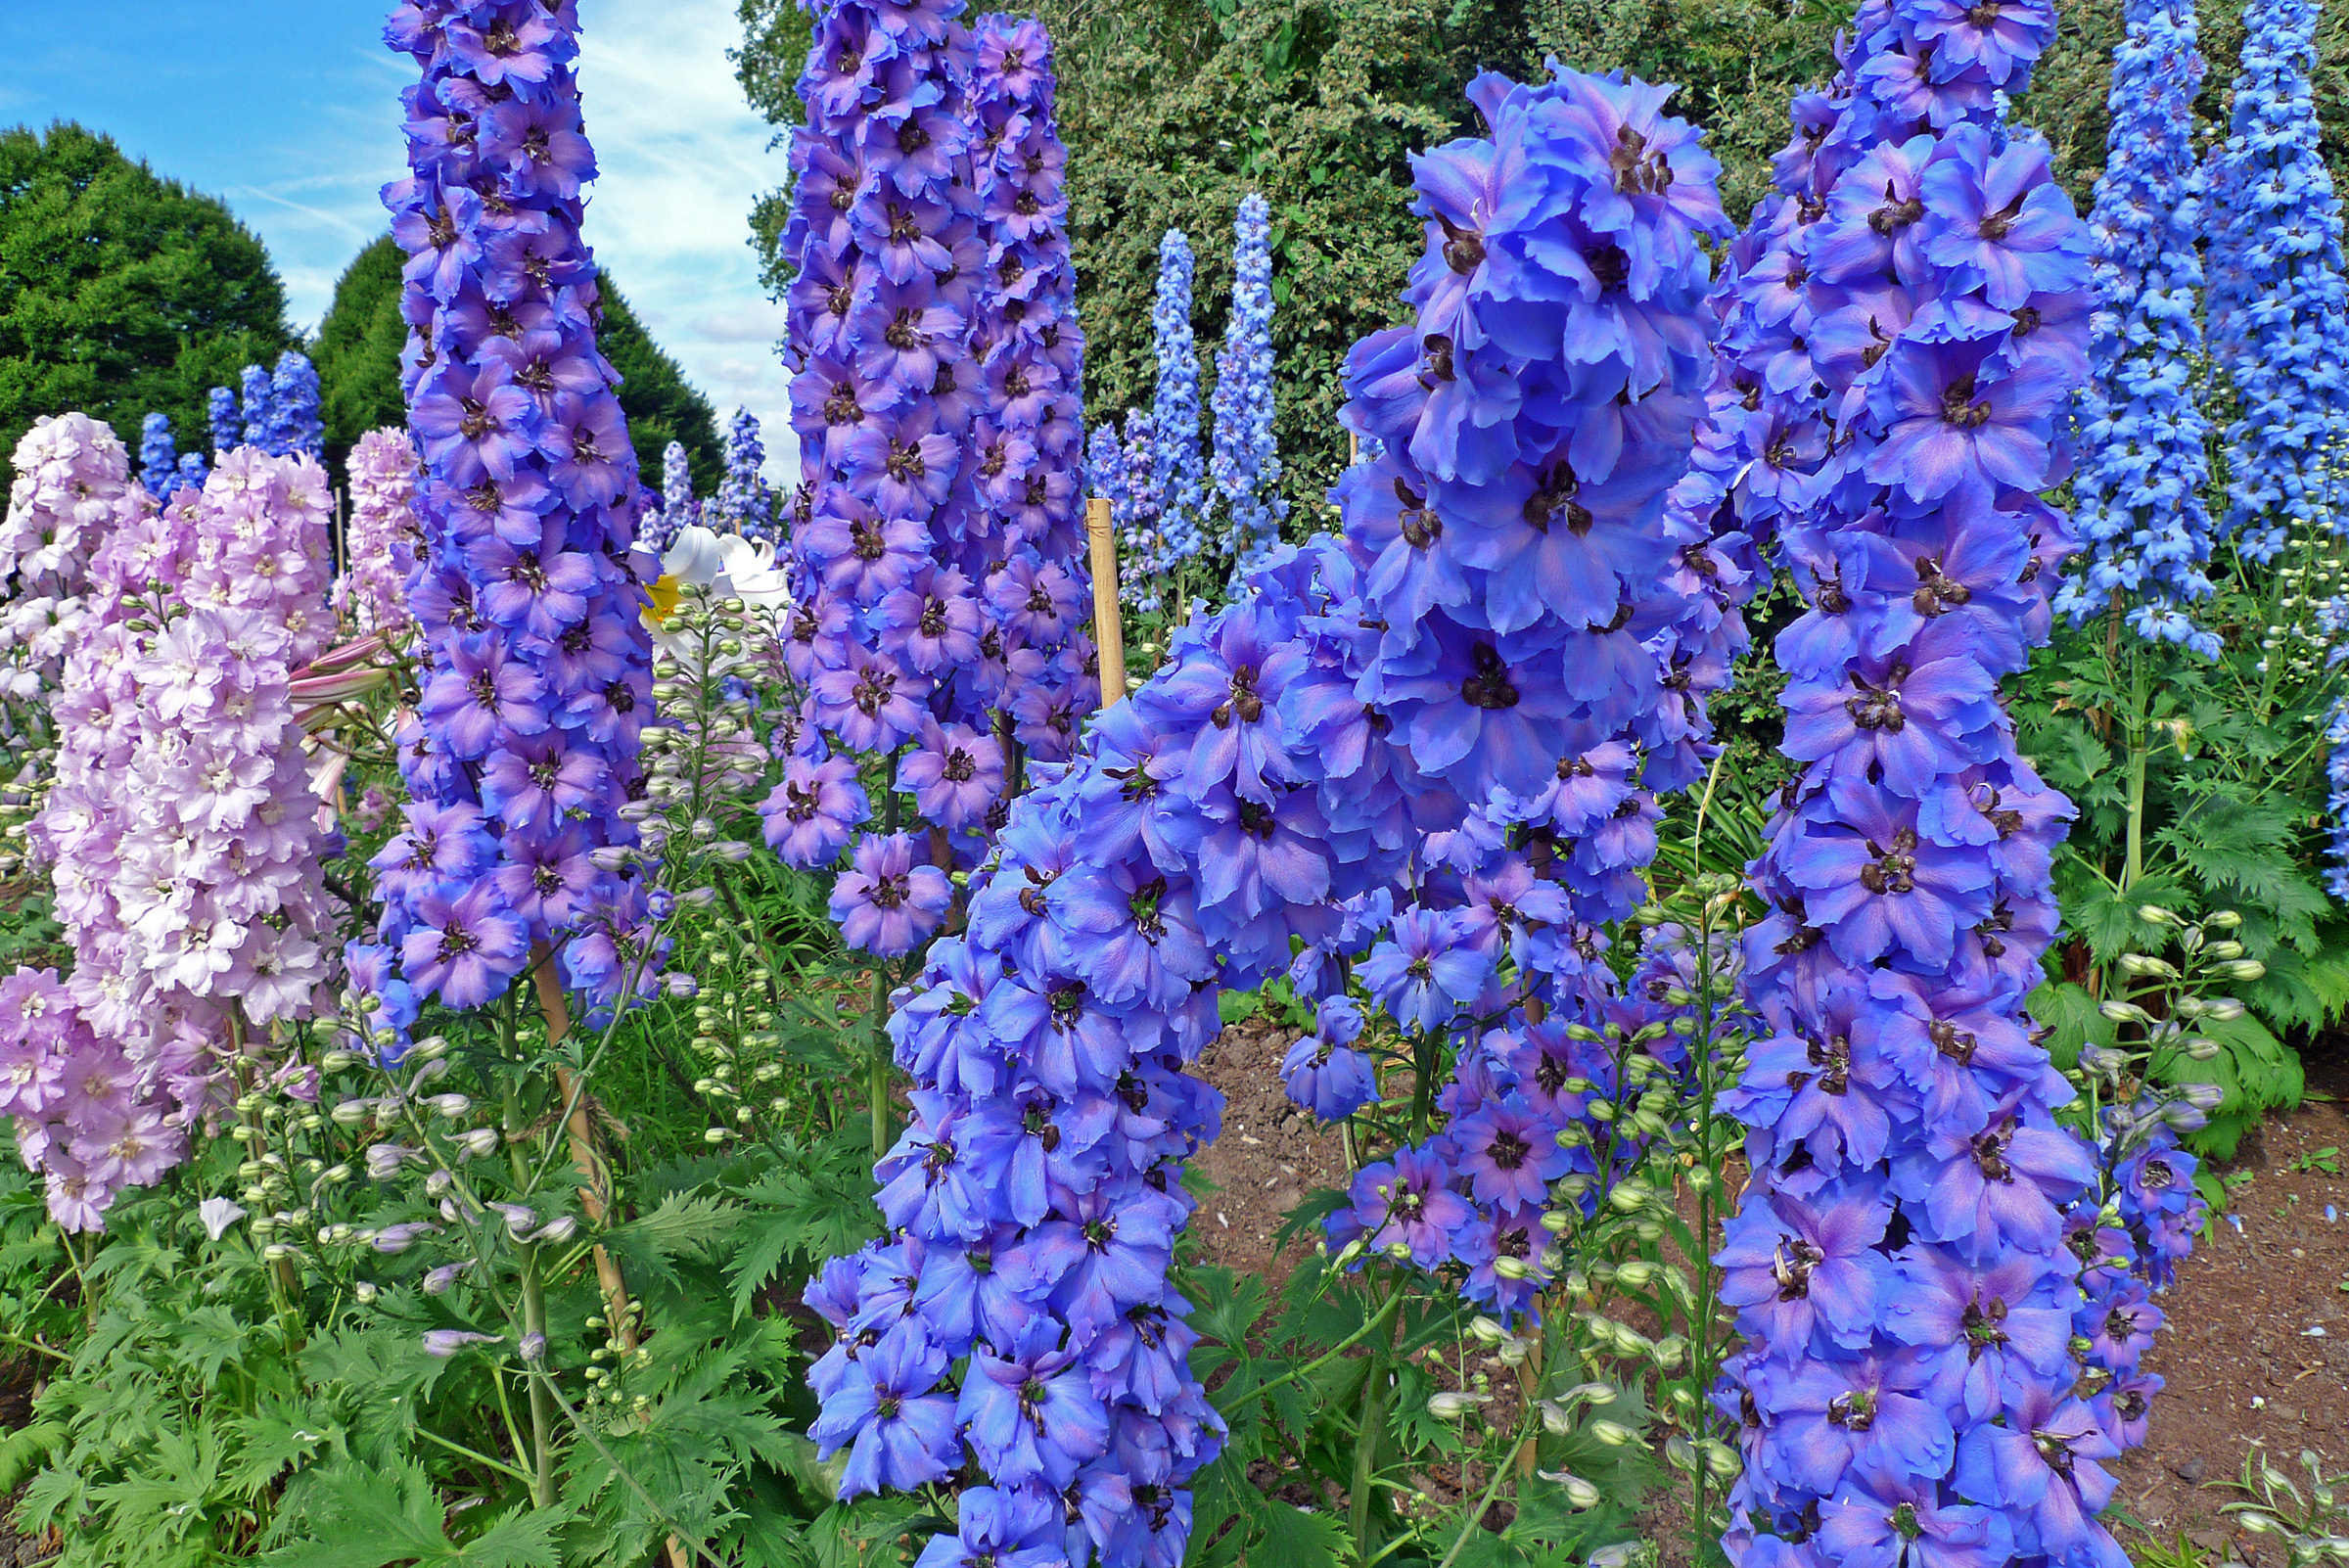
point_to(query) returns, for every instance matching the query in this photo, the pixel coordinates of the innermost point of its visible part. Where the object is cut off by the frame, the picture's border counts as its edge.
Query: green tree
(774, 53)
(358, 349)
(361, 339)
(1737, 64)
(121, 292)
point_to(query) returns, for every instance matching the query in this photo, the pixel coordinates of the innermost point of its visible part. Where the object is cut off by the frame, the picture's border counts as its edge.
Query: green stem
(2139, 750)
(499, 1465)
(1311, 1367)
(878, 1087)
(543, 1408)
(1367, 1432)
(1501, 1473)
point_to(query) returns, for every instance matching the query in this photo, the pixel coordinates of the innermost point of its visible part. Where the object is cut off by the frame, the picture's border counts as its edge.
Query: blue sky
(288, 111)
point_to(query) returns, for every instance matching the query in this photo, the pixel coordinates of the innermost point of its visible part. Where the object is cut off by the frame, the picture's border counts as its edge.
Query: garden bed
(2241, 1369)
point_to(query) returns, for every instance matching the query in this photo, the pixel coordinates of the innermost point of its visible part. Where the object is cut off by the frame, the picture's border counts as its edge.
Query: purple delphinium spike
(1177, 473)
(1264, 791)
(1246, 467)
(2278, 302)
(2145, 533)
(1898, 1088)
(530, 612)
(294, 428)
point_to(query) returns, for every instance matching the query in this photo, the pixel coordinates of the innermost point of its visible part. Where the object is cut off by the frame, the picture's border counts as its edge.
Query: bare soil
(2255, 1353)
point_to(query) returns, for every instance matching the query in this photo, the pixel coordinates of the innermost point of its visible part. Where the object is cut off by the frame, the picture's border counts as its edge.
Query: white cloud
(681, 158)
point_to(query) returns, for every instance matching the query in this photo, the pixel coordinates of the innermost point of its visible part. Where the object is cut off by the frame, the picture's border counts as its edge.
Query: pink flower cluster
(182, 826)
(71, 1094)
(72, 485)
(383, 534)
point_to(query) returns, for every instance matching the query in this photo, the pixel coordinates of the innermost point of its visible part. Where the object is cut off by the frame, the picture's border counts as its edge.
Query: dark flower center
(1557, 493)
(1487, 684)
(1244, 700)
(1464, 248)
(1897, 212)
(1635, 167)
(1960, 407)
(1893, 870)
(1791, 1267)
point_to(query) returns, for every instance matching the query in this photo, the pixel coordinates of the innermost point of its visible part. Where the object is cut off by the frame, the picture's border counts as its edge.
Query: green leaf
(355, 1515)
(2069, 1015)
(681, 1227)
(813, 1214)
(1288, 1536)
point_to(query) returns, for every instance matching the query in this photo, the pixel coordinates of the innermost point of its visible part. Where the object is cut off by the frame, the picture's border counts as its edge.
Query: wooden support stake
(585, 1155)
(595, 1195)
(1109, 635)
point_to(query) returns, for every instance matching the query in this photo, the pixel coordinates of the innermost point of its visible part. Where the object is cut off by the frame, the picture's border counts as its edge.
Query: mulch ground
(2255, 1354)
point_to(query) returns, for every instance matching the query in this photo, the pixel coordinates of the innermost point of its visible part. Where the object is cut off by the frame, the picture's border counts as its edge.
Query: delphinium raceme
(538, 682)
(383, 537)
(2145, 533)
(891, 641)
(745, 504)
(1178, 477)
(294, 428)
(1026, 543)
(658, 530)
(1246, 468)
(1901, 1252)
(1265, 788)
(73, 488)
(2278, 314)
(182, 830)
(226, 423)
(159, 457)
(257, 401)
(1142, 558)
(1106, 478)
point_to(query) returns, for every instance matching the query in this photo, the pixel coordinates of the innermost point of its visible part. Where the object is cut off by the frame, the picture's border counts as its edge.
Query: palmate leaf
(810, 1214)
(2069, 1015)
(2242, 854)
(2308, 989)
(1288, 1536)
(683, 1225)
(354, 1515)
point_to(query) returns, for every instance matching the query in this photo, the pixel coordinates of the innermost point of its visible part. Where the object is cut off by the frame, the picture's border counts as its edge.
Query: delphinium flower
(1902, 1245)
(1176, 474)
(2336, 800)
(1245, 468)
(744, 503)
(193, 470)
(383, 534)
(294, 426)
(257, 399)
(182, 830)
(226, 423)
(937, 549)
(678, 510)
(539, 658)
(1265, 791)
(2145, 533)
(1026, 530)
(2278, 314)
(159, 457)
(73, 488)
(1142, 558)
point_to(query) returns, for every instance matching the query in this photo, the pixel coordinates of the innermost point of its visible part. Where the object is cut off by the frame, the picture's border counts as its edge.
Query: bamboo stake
(594, 1196)
(1109, 634)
